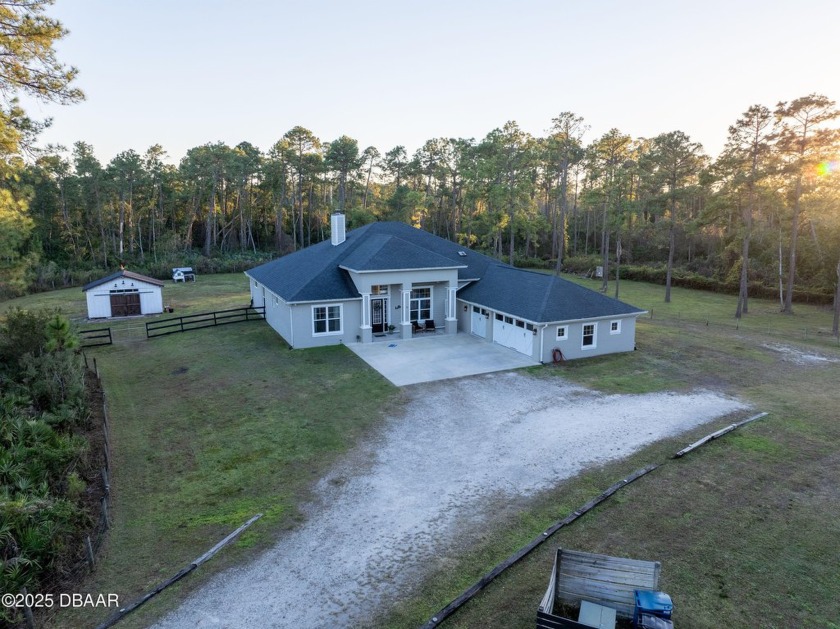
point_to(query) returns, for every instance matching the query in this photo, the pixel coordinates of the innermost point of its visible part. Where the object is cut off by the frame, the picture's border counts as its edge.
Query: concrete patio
(437, 357)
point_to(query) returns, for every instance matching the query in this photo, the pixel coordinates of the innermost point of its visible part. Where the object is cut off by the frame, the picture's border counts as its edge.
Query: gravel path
(394, 509)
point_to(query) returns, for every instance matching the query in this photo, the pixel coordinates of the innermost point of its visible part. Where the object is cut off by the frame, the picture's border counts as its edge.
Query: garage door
(478, 324)
(513, 333)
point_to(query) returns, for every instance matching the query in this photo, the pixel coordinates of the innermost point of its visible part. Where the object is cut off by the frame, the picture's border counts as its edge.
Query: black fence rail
(97, 337)
(188, 323)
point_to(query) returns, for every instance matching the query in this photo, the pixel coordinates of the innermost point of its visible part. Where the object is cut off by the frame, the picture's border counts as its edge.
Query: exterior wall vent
(337, 233)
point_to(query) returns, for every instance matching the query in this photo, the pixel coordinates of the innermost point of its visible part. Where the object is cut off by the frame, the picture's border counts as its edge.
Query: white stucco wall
(605, 342)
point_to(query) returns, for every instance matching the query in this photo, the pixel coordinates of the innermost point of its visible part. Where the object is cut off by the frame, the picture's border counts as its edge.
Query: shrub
(42, 401)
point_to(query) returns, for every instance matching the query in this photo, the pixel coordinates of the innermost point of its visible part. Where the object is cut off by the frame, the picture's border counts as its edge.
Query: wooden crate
(610, 581)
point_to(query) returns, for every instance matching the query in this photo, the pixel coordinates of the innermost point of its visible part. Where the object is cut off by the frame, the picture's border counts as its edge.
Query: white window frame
(415, 300)
(327, 319)
(583, 336)
(615, 326)
(379, 290)
(562, 332)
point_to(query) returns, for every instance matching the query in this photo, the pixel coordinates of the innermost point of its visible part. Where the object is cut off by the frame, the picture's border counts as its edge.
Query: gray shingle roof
(121, 274)
(540, 297)
(379, 252)
(315, 274)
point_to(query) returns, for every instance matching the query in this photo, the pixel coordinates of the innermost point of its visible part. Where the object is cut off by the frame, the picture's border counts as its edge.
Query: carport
(438, 357)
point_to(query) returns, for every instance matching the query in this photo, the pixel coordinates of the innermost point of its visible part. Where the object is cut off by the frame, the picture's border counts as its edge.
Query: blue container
(653, 603)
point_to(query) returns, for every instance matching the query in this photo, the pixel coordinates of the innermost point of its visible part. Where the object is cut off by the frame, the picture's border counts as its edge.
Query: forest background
(761, 218)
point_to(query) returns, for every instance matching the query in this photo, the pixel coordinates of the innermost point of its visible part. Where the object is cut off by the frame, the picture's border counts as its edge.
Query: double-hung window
(326, 319)
(589, 330)
(420, 304)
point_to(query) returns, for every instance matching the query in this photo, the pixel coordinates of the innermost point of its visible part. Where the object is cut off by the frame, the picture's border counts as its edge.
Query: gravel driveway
(395, 507)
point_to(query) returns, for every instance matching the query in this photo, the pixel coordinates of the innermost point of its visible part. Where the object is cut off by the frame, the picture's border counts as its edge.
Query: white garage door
(479, 322)
(513, 333)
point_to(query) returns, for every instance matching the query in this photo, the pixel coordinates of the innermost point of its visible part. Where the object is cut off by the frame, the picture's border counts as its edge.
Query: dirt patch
(799, 357)
(389, 512)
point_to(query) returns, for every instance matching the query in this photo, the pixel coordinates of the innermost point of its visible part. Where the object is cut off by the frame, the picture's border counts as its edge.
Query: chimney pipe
(337, 235)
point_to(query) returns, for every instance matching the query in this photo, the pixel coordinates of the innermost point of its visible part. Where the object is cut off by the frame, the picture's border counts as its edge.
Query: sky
(182, 73)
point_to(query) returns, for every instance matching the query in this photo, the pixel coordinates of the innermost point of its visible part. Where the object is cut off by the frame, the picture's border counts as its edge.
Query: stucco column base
(452, 326)
(405, 330)
(367, 334)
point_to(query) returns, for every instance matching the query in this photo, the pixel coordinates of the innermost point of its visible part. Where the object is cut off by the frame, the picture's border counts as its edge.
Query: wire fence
(100, 486)
(815, 335)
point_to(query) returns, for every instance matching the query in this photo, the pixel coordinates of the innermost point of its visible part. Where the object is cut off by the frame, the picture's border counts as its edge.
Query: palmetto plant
(42, 400)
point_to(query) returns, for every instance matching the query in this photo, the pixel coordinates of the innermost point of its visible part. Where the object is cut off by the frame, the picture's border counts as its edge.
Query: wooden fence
(97, 337)
(188, 323)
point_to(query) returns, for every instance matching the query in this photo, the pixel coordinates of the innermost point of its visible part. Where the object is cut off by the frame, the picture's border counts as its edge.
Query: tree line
(761, 216)
(765, 210)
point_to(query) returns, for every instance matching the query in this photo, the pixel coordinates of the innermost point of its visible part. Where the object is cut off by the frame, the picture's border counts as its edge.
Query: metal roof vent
(463, 254)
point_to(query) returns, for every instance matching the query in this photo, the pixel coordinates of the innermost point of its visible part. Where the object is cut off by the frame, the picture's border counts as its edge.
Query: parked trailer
(182, 274)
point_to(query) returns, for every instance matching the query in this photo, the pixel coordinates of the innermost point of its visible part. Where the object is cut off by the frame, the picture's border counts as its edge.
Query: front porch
(406, 310)
(440, 356)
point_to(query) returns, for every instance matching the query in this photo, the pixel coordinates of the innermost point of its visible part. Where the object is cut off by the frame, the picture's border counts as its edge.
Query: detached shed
(123, 294)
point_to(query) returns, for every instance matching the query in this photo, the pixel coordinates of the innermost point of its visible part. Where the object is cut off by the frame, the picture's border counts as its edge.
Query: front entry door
(377, 315)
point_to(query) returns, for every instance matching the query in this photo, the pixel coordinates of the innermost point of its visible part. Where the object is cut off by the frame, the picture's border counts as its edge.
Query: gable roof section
(540, 297)
(385, 252)
(319, 273)
(121, 274)
(315, 273)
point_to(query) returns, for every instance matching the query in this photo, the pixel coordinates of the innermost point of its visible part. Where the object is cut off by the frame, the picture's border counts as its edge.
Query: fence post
(89, 549)
(84, 355)
(105, 513)
(95, 368)
(27, 611)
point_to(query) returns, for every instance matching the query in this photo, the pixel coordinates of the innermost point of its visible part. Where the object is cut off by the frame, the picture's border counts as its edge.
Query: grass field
(215, 425)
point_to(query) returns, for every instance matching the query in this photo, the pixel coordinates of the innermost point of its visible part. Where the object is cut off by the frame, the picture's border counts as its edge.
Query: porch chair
(430, 325)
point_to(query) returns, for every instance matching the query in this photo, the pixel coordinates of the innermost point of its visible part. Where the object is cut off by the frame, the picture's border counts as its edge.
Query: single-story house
(357, 285)
(123, 294)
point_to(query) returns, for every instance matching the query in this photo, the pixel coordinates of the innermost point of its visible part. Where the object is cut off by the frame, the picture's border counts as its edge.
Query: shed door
(125, 304)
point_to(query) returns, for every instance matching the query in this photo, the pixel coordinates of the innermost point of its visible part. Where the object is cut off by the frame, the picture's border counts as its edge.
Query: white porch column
(365, 310)
(451, 310)
(367, 331)
(405, 309)
(451, 314)
(406, 305)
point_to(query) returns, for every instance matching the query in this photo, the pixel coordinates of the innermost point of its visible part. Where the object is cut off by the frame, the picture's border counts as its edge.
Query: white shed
(123, 294)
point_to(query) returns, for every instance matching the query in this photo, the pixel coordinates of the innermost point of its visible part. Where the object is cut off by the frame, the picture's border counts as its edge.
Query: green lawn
(209, 428)
(213, 426)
